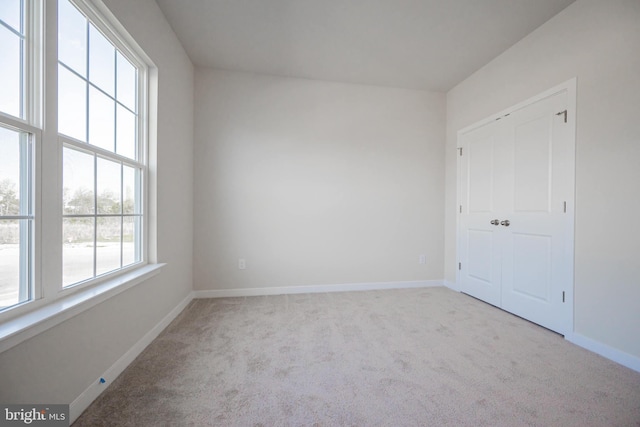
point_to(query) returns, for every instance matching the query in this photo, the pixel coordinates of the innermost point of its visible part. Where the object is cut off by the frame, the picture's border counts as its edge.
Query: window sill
(19, 329)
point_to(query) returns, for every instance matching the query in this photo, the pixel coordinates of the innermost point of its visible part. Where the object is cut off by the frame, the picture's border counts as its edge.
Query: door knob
(505, 223)
(495, 222)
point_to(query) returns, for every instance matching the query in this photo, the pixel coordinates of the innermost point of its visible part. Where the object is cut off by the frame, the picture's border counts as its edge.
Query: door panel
(532, 168)
(481, 155)
(480, 272)
(532, 266)
(480, 245)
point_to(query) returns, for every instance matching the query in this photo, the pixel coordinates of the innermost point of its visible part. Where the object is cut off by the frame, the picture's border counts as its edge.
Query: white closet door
(515, 181)
(482, 184)
(534, 261)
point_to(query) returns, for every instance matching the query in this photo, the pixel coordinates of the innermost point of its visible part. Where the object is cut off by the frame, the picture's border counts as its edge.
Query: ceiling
(416, 44)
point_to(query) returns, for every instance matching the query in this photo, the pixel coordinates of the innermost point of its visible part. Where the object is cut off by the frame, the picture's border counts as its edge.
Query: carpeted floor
(414, 357)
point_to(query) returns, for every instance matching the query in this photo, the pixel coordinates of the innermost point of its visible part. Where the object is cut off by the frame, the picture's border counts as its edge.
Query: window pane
(72, 37)
(77, 250)
(9, 172)
(101, 61)
(10, 13)
(78, 182)
(130, 233)
(15, 234)
(10, 73)
(126, 142)
(108, 249)
(72, 105)
(130, 190)
(15, 257)
(108, 187)
(101, 120)
(126, 82)
(9, 263)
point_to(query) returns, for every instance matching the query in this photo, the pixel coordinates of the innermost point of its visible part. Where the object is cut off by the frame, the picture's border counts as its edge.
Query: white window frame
(50, 301)
(30, 122)
(130, 54)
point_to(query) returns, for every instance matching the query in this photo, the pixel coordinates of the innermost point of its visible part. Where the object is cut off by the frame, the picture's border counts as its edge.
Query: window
(95, 161)
(16, 159)
(97, 123)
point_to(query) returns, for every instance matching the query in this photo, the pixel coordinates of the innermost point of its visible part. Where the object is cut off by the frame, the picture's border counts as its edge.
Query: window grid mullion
(115, 104)
(85, 216)
(26, 207)
(13, 30)
(95, 215)
(23, 112)
(22, 79)
(121, 241)
(87, 105)
(127, 108)
(100, 152)
(98, 88)
(140, 109)
(121, 214)
(16, 217)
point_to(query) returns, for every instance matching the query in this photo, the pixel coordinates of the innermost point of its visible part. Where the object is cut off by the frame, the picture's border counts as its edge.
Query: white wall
(59, 364)
(599, 43)
(315, 182)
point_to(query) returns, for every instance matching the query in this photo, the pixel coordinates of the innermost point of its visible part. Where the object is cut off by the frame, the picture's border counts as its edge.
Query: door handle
(505, 223)
(495, 222)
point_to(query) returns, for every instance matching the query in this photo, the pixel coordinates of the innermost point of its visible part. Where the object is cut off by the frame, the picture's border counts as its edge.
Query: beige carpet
(414, 357)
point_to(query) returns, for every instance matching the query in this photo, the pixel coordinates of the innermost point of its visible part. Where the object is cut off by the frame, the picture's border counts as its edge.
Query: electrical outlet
(242, 264)
(423, 259)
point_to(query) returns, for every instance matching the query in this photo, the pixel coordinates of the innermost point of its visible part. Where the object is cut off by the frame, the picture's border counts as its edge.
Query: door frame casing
(570, 87)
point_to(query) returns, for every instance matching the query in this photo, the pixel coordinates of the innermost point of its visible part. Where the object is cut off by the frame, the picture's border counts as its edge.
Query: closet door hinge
(460, 208)
(459, 266)
(460, 150)
(565, 207)
(562, 296)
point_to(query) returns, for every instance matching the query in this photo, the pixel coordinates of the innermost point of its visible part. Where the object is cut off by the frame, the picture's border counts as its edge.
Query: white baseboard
(451, 285)
(83, 401)
(611, 353)
(312, 289)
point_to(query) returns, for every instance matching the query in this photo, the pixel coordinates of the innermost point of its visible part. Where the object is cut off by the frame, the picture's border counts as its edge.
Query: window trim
(47, 315)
